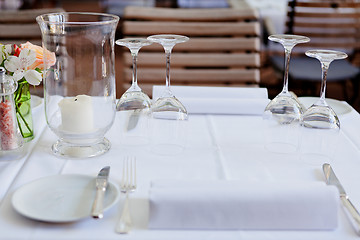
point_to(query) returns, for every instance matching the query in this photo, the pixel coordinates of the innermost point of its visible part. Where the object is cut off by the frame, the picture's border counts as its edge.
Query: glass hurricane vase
(80, 87)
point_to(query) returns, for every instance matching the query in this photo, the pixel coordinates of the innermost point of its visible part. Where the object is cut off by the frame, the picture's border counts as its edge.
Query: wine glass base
(70, 150)
(284, 108)
(321, 117)
(133, 100)
(169, 108)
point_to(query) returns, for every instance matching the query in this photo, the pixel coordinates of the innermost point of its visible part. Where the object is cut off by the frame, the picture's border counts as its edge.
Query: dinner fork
(128, 183)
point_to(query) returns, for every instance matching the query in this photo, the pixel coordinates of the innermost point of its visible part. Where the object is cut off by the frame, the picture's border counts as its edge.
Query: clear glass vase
(80, 87)
(22, 99)
(11, 141)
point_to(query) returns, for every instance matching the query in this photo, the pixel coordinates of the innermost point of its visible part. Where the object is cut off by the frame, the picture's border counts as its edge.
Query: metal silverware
(128, 184)
(101, 184)
(133, 119)
(331, 179)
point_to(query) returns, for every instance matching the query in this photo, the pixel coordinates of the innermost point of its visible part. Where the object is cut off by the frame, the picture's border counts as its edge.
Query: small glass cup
(11, 140)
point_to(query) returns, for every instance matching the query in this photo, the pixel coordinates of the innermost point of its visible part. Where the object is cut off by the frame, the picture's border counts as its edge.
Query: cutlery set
(128, 184)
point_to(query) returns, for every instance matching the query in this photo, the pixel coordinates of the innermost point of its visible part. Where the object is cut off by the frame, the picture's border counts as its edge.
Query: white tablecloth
(220, 147)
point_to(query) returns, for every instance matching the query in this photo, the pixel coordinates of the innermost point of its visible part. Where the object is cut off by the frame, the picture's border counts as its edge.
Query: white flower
(19, 67)
(33, 77)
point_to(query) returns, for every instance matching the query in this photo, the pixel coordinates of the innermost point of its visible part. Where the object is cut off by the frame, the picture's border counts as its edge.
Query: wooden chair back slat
(193, 28)
(25, 16)
(326, 4)
(192, 15)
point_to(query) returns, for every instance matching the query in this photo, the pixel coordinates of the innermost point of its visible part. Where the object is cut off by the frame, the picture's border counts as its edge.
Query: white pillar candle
(77, 114)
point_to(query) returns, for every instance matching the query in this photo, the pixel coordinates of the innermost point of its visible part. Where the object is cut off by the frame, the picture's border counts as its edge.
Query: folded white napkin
(219, 100)
(203, 3)
(246, 106)
(211, 92)
(247, 206)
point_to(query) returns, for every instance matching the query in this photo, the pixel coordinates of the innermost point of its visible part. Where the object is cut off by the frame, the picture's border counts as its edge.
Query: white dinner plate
(61, 198)
(339, 107)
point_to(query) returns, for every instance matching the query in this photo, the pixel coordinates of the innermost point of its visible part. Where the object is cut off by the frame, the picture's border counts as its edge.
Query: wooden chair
(223, 49)
(20, 26)
(330, 24)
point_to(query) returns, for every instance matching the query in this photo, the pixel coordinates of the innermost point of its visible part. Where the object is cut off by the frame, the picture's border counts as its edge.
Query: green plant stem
(22, 117)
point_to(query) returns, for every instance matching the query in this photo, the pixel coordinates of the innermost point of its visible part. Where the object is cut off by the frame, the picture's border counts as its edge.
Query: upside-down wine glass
(168, 113)
(134, 98)
(134, 105)
(167, 106)
(283, 113)
(320, 114)
(320, 124)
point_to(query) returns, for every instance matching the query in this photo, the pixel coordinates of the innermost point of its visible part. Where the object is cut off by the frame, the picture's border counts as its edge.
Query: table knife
(331, 179)
(101, 183)
(133, 119)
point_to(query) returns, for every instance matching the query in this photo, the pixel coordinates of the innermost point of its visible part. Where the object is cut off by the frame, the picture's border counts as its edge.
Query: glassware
(134, 105)
(320, 124)
(168, 115)
(134, 98)
(320, 114)
(11, 141)
(79, 89)
(167, 106)
(23, 110)
(283, 113)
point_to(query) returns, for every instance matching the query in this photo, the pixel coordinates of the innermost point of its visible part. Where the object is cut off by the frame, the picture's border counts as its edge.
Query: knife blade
(331, 179)
(133, 119)
(101, 182)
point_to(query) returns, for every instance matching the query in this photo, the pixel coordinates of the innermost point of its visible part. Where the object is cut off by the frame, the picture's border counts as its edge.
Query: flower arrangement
(25, 64)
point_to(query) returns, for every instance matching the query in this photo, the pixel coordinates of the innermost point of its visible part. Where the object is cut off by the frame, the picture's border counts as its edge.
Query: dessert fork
(128, 184)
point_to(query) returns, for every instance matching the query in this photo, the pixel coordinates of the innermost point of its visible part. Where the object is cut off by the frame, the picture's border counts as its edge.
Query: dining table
(219, 147)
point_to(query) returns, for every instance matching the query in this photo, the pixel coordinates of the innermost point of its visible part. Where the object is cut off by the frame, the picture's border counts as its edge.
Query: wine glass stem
(286, 72)
(134, 54)
(324, 69)
(168, 54)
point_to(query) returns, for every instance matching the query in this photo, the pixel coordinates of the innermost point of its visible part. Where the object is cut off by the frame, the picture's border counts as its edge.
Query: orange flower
(39, 63)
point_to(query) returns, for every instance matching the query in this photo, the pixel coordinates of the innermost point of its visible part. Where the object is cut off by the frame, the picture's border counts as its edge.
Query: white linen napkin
(211, 92)
(203, 3)
(235, 205)
(219, 100)
(245, 106)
